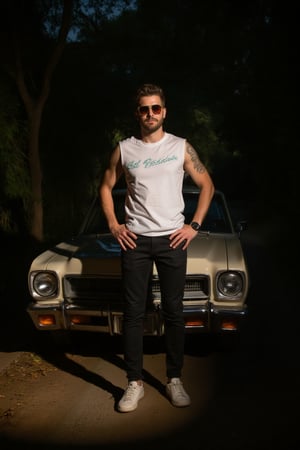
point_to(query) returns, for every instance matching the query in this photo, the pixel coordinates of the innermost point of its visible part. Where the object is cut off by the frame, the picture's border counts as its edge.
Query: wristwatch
(195, 225)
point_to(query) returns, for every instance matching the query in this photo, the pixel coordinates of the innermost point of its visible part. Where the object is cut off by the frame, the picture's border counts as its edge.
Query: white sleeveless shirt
(154, 175)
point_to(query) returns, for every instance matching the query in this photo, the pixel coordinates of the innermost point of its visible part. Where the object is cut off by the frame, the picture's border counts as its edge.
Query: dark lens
(143, 110)
(156, 109)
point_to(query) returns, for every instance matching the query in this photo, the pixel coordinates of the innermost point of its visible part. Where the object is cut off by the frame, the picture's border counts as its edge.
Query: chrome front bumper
(198, 319)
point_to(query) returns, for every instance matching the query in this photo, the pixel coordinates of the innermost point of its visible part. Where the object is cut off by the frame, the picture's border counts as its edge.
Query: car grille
(93, 289)
(196, 288)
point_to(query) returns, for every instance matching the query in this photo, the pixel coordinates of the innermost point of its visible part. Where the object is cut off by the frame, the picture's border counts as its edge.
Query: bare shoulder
(115, 156)
(192, 159)
(116, 151)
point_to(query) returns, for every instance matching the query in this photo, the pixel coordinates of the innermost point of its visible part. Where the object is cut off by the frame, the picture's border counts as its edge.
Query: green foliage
(14, 177)
(203, 137)
(116, 136)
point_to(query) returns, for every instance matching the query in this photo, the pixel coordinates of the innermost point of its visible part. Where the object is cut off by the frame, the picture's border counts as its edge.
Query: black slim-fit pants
(137, 268)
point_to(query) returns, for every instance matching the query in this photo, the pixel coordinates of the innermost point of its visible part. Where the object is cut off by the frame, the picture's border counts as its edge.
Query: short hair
(147, 90)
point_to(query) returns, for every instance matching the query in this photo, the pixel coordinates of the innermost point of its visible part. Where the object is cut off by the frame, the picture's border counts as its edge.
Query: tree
(33, 84)
(14, 177)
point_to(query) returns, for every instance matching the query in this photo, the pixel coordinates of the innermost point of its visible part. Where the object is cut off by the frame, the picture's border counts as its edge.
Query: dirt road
(71, 398)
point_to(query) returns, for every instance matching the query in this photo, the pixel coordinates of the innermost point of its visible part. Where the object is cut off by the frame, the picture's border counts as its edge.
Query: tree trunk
(36, 223)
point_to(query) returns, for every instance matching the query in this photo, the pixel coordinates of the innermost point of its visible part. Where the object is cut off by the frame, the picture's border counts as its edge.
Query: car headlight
(230, 284)
(44, 284)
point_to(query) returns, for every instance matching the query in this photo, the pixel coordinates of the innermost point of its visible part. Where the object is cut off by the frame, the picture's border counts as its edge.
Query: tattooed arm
(197, 171)
(194, 167)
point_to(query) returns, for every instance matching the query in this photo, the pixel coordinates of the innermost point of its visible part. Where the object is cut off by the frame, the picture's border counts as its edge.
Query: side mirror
(241, 226)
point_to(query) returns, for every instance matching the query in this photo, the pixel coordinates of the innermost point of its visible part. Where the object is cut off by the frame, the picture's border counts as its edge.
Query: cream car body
(77, 285)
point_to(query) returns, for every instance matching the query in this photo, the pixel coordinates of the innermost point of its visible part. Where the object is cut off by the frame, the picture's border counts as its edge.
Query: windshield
(217, 219)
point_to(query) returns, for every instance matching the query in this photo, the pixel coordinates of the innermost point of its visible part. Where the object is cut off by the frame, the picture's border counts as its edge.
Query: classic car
(77, 284)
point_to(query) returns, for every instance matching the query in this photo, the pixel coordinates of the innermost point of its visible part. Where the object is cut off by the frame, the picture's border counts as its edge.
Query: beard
(151, 125)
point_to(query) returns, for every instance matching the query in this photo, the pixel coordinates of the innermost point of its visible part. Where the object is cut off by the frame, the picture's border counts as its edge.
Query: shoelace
(130, 392)
(178, 389)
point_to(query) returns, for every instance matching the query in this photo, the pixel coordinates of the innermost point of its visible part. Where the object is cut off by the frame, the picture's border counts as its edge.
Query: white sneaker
(133, 393)
(176, 393)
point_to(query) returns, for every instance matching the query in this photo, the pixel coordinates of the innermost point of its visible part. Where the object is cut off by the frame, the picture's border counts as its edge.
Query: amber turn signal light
(194, 322)
(46, 320)
(80, 320)
(229, 325)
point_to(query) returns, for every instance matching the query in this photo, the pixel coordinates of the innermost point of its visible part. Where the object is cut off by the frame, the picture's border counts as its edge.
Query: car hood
(210, 253)
(207, 253)
(84, 254)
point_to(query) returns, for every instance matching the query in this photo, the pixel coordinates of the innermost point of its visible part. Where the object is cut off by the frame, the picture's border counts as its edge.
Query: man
(154, 231)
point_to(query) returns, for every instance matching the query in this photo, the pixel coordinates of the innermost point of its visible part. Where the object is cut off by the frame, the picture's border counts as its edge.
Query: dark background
(230, 73)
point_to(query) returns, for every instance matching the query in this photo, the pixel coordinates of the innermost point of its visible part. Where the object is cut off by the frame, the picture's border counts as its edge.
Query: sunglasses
(143, 110)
